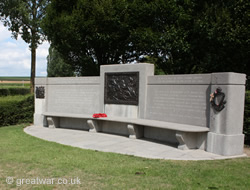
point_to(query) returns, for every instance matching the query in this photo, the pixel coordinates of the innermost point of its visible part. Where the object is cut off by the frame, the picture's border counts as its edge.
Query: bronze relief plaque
(40, 92)
(121, 88)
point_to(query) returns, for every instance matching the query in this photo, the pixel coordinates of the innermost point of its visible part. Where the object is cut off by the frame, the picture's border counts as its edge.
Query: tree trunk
(33, 68)
(33, 47)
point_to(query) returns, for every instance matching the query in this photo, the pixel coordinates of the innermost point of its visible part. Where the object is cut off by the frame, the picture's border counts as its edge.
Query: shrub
(248, 83)
(246, 128)
(19, 91)
(16, 109)
(6, 91)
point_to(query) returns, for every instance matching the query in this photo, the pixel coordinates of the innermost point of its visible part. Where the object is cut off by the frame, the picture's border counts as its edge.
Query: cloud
(15, 56)
(10, 45)
(5, 34)
(41, 58)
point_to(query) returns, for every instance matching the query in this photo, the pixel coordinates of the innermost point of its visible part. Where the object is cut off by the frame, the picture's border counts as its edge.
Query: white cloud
(15, 56)
(42, 51)
(5, 34)
(10, 45)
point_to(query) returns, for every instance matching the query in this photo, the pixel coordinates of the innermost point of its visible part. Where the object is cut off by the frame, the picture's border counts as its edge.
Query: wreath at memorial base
(217, 99)
(98, 115)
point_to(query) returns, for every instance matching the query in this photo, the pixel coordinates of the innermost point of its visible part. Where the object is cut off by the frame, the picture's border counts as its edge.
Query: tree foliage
(23, 17)
(181, 36)
(89, 33)
(56, 66)
(222, 30)
(212, 36)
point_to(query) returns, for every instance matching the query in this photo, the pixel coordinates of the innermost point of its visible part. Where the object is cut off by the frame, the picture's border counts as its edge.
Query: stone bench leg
(94, 127)
(191, 140)
(180, 136)
(135, 132)
(53, 122)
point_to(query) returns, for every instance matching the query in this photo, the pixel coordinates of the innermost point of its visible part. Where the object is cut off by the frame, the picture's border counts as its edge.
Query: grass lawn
(26, 157)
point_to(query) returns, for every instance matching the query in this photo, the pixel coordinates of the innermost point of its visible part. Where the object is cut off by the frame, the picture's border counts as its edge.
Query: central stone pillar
(131, 108)
(123, 92)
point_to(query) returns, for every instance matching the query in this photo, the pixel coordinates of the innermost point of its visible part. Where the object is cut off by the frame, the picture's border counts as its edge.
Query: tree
(160, 31)
(180, 36)
(23, 17)
(56, 67)
(90, 33)
(219, 37)
(211, 36)
(111, 32)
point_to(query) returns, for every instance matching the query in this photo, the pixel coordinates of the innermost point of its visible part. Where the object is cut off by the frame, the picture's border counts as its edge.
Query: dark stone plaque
(121, 88)
(40, 92)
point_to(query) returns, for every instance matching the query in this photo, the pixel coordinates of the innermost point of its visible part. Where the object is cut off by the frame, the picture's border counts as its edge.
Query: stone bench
(188, 136)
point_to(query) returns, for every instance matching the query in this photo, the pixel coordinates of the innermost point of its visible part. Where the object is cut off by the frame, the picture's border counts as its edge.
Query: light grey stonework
(160, 134)
(73, 98)
(226, 145)
(135, 132)
(225, 136)
(229, 120)
(73, 81)
(128, 111)
(179, 98)
(119, 110)
(121, 145)
(41, 81)
(144, 70)
(115, 128)
(40, 104)
(187, 104)
(171, 108)
(74, 123)
(185, 99)
(228, 79)
(67, 95)
(195, 79)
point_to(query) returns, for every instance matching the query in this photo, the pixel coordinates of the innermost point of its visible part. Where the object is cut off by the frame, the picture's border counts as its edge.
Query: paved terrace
(119, 144)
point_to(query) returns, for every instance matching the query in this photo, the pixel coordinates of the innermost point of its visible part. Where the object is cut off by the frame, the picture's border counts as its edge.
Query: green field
(27, 157)
(14, 82)
(14, 78)
(14, 85)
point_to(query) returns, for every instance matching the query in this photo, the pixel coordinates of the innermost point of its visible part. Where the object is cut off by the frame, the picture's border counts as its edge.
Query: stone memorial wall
(179, 98)
(79, 96)
(131, 91)
(75, 95)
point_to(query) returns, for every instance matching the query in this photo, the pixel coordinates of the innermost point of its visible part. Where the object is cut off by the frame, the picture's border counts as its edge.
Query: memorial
(198, 111)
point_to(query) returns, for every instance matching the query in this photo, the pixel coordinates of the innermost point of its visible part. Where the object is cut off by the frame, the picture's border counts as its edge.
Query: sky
(15, 56)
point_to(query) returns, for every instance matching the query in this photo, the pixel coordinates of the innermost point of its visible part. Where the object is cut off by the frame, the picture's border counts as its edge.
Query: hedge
(246, 128)
(14, 91)
(16, 110)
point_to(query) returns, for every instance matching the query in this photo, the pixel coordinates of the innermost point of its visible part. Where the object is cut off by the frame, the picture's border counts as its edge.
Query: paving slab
(120, 144)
